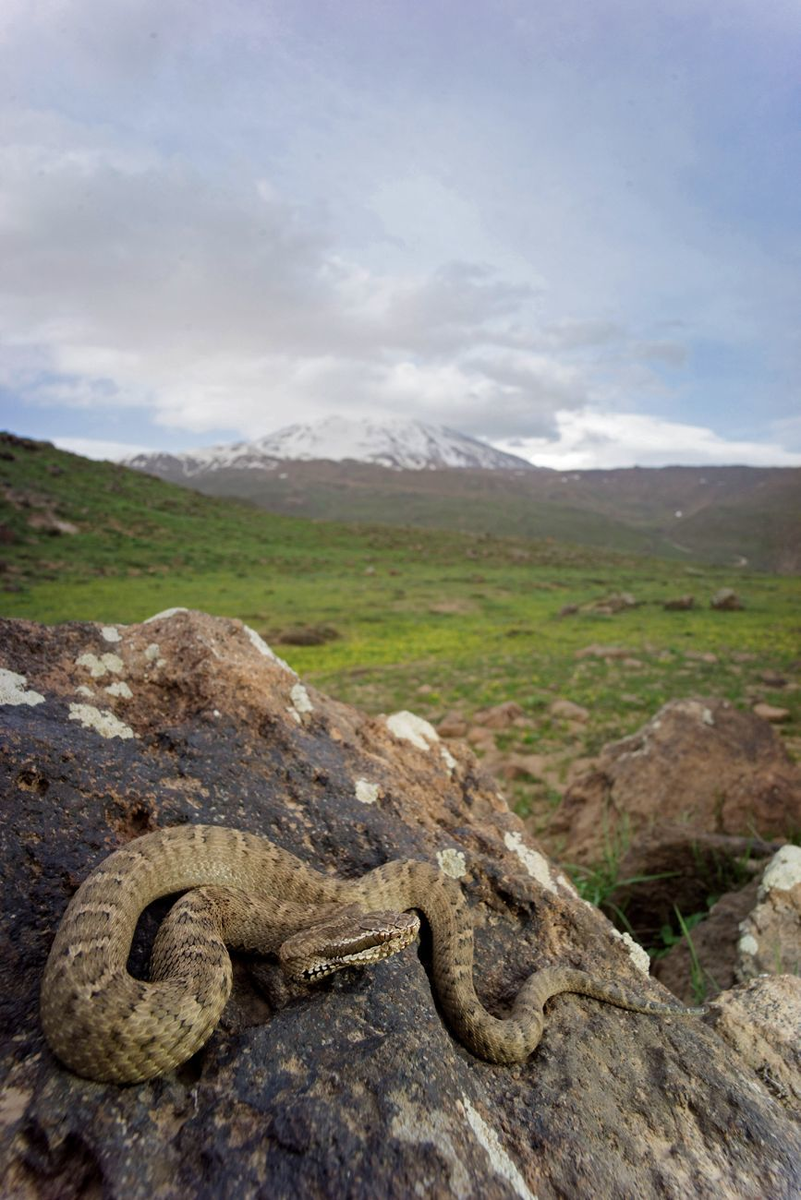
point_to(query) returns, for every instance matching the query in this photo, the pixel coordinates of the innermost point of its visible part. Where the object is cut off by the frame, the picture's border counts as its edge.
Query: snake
(241, 890)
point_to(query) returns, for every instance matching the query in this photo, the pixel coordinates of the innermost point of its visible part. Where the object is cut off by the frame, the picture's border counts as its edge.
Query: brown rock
(453, 725)
(355, 1089)
(726, 600)
(761, 1021)
(566, 710)
(679, 604)
(500, 716)
(770, 936)
(595, 650)
(770, 712)
(699, 762)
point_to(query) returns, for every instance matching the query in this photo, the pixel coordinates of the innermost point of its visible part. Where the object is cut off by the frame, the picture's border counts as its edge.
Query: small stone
(452, 725)
(769, 712)
(726, 600)
(566, 710)
(499, 716)
(595, 650)
(679, 604)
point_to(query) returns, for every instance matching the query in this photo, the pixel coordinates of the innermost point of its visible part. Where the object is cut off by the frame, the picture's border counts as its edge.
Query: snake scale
(246, 892)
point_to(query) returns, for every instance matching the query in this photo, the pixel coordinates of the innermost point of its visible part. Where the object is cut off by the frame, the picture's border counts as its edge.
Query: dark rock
(356, 1089)
(306, 635)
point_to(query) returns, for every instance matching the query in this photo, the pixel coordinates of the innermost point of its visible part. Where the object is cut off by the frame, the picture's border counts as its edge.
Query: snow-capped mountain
(400, 445)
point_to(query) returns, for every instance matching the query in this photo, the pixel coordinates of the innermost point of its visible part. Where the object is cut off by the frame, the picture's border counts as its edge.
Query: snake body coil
(249, 893)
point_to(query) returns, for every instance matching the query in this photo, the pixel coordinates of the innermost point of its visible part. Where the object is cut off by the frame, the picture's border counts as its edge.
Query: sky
(573, 230)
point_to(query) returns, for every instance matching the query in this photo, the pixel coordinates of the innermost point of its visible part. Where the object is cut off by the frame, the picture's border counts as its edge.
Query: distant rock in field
(704, 656)
(452, 725)
(726, 600)
(773, 679)
(679, 604)
(610, 605)
(702, 763)
(770, 712)
(500, 716)
(306, 635)
(595, 650)
(567, 710)
(568, 610)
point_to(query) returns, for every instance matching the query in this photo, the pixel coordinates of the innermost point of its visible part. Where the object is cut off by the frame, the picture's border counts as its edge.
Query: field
(433, 621)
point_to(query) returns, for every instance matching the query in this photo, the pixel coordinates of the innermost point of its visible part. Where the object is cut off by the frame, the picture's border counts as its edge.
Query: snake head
(350, 938)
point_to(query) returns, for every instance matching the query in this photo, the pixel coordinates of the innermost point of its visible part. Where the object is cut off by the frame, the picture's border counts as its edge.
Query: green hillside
(724, 515)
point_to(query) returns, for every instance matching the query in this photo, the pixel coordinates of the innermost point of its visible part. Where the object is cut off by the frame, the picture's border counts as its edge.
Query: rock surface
(356, 1089)
(770, 936)
(700, 763)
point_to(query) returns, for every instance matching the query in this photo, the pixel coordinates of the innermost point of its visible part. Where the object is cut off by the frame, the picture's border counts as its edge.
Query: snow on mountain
(398, 444)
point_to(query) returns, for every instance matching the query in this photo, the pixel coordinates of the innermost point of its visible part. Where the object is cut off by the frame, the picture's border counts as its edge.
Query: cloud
(131, 280)
(590, 440)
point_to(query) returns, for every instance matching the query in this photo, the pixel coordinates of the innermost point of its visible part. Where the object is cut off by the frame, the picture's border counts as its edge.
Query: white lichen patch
(106, 664)
(120, 689)
(14, 690)
(500, 1161)
(411, 728)
(637, 954)
(259, 644)
(84, 690)
(366, 792)
(448, 759)
(104, 723)
(300, 699)
(167, 612)
(748, 945)
(452, 862)
(152, 651)
(783, 871)
(532, 860)
(110, 633)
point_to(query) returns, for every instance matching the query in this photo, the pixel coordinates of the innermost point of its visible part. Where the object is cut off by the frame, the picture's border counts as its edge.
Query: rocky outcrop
(770, 936)
(355, 1089)
(699, 763)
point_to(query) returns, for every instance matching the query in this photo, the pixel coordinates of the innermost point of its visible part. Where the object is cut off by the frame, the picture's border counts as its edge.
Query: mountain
(402, 473)
(395, 444)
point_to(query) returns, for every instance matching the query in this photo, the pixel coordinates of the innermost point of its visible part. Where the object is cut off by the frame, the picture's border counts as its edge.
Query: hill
(410, 473)
(731, 516)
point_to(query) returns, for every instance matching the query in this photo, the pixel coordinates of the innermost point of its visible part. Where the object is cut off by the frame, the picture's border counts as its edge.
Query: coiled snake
(248, 893)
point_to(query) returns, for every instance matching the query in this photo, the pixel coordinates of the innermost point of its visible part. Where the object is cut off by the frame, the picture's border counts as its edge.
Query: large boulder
(358, 1088)
(699, 763)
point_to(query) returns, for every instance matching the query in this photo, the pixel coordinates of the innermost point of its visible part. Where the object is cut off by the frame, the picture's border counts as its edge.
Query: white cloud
(98, 449)
(601, 440)
(130, 280)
